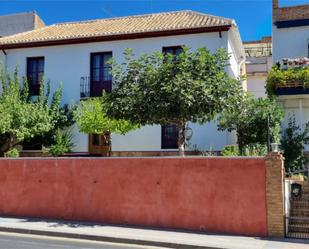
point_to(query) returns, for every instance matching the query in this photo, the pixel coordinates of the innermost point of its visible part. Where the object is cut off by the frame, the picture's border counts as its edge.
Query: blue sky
(252, 16)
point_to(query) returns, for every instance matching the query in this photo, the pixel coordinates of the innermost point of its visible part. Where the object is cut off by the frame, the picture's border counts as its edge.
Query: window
(169, 133)
(169, 137)
(100, 74)
(176, 50)
(35, 72)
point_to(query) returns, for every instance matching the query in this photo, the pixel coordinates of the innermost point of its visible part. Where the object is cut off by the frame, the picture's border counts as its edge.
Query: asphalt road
(19, 241)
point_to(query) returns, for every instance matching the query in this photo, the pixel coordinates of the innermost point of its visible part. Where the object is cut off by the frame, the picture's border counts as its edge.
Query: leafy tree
(161, 89)
(21, 116)
(292, 144)
(254, 120)
(91, 117)
(63, 120)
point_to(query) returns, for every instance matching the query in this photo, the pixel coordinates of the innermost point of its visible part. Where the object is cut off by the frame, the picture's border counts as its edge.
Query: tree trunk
(181, 138)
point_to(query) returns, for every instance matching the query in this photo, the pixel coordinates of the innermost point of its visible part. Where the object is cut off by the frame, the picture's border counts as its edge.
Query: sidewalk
(153, 237)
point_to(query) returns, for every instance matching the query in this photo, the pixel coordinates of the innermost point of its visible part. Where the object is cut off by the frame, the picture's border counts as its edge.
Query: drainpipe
(5, 59)
(241, 63)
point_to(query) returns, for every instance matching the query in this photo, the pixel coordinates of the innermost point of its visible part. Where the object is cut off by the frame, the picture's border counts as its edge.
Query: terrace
(289, 77)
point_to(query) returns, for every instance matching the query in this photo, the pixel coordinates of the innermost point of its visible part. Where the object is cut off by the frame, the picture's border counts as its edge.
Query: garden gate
(297, 204)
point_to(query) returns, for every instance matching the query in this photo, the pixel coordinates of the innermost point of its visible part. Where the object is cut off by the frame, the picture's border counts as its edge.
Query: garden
(157, 89)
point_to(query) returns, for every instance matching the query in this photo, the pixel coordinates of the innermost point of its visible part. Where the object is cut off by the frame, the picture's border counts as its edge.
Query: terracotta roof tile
(178, 20)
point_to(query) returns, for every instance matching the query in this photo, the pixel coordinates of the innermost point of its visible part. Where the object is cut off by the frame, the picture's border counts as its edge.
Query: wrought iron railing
(84, 87)
(89, 88)
(258, 51)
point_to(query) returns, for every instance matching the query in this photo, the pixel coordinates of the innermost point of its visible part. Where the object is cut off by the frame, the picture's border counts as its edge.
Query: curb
(103, 238)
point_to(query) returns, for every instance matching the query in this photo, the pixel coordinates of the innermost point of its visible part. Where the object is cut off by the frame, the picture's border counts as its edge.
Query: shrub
(249, 150)
(230, 150)
(63, 143)
(279, 78)
(12, 153)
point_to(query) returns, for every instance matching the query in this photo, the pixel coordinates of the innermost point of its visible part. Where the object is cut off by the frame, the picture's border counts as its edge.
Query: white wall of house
(256, 85)
(67, 63)
(295, 106)
(290, 42)
(257, 69)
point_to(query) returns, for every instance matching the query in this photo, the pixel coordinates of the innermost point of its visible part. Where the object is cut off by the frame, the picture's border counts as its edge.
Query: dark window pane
(100, 73)
(169, 137)
(95, 139)
(96, 74)
(107, 76)
(41, 65)
(35, 72)
(107, 57)
(178, 51)
(96, 61)
(172, 50)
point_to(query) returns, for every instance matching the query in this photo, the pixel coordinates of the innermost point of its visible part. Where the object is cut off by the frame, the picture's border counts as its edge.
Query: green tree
(159, 89)
(91, 117)
(292, 144)
(255, 120)
(23, 117)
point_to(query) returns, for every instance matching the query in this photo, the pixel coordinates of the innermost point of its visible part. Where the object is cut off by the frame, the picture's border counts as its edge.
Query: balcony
(90, 88)
(289, 77)
(259, 50)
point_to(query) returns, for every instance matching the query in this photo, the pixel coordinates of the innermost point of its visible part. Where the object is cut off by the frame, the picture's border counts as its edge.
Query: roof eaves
(125, 36)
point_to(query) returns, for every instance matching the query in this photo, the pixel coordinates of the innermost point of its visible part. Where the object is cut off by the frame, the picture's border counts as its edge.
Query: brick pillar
(274, 194)
(275, 10)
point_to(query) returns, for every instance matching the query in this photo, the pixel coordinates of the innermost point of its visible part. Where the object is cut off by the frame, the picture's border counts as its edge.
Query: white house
(258, 63)
(290, 33)
(75, 54)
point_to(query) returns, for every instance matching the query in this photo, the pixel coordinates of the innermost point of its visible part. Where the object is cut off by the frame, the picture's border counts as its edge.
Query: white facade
(66, 64)
(257, 69)
(290, 42)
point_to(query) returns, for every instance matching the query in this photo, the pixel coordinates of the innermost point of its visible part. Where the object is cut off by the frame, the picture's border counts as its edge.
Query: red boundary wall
(210, 194)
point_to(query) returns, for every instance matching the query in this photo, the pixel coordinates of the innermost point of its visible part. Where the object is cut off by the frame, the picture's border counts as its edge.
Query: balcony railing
(258, 51)
(84, 87)
(289, 77)
(89, 88)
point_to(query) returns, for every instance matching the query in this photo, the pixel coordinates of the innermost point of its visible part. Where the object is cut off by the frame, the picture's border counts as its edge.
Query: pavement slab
(143, 236)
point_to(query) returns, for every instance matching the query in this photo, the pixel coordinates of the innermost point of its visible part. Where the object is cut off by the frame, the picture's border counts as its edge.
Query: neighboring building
(290, 41)
(258, 63)
(290, 31)
(76, 54)
(18, 23)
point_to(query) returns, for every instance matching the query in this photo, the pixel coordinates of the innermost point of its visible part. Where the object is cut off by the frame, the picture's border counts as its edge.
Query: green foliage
(230, 150)
(279, 78)
(292, 144)
(63, 142)
(22, 116)
(251, 119)
(248, 150)
(161, 89)
(62, 120)
(255, 150)
(12, 153)
(91, 117)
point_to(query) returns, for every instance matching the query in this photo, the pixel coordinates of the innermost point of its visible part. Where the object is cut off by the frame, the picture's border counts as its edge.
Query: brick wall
(274, 195)
(289, 13)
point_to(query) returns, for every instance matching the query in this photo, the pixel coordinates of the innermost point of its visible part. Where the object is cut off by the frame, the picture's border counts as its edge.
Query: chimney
(275, 4)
